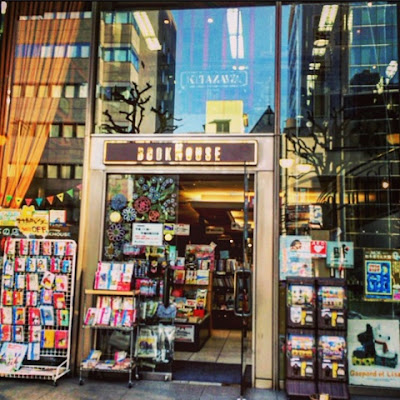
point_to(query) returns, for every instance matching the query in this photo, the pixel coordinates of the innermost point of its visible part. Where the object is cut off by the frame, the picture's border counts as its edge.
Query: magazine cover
(11, 356)
(91, 316)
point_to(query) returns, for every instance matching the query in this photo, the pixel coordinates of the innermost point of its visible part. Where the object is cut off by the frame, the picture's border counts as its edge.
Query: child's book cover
(33, 351)
(6, 333)
(19, 315)
(8, 297)
(31, 264)
(41, 264)
(6, 315)
(46, 296)
(61, 283)
(18, 333)
(19, 264)
(128, 317)
(32, 282)
(59, 248)
(47, 314)
(34, 248)
(8, 267)
(31, 298)
(91, 316)
(59, 300)
(48, 339)
(20, 281)
(18, 298)
(34, 316)
(116, 318)
(103, 316)
(61, 339)
(35, 332)
(11, 356)
(55, 265)
(46, 248)
(66, 266)
(47, 280)
(62, 317)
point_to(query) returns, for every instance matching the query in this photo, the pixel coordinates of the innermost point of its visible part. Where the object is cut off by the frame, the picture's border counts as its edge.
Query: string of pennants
(41, 200)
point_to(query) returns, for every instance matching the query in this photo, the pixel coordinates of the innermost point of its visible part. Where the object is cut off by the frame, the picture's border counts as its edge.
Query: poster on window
(295, 256)
(374, 352)
(340, 254)
(382, 274)
(147, 234)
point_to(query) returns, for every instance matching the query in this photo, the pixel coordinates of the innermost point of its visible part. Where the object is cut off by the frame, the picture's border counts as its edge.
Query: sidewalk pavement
(69, 389)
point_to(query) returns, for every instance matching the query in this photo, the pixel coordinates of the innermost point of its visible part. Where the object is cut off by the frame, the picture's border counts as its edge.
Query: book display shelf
(37, 290)
(110, 325)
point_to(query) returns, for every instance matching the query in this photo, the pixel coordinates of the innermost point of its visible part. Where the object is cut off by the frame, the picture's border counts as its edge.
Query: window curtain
(27, 115)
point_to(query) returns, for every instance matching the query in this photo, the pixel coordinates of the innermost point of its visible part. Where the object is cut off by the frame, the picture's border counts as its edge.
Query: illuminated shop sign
(196, 79)
(181, 152)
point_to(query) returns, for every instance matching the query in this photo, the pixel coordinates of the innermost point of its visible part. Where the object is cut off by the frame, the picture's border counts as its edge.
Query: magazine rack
(112, 332)
(37, 291)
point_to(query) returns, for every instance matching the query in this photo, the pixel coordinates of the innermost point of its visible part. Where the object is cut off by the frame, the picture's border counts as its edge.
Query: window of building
(68, 131)
(52, 171)
(69, 91)
(65, 171)
(56, 91)
(39, 172)
(43, 91)
(78, 172)
(30, 91)
(80, 131)
(54, 130)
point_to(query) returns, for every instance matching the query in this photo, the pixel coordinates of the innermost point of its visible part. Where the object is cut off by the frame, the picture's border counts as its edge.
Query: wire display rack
(38, 274)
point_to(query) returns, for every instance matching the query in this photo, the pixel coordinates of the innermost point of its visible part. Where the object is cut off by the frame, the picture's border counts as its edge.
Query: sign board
(32, 222)
(382, 274)
(174, 152)
(340, 254)
(215, 230)
(182, 229)
(213, 79)
(147, 234)
(318, 248)
(374, 352)
(8, 217)
(184, 333)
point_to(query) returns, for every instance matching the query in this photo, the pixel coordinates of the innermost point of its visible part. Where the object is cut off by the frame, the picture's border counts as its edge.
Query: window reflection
(186, 71)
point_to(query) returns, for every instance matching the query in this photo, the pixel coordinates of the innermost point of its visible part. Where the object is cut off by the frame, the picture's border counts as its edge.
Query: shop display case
(37, 291)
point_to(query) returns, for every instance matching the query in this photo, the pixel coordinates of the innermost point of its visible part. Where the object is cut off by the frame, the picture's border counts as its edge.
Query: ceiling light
(385, 184)
(147, 30)
(318, 51)
(210, 20)
(328, 16)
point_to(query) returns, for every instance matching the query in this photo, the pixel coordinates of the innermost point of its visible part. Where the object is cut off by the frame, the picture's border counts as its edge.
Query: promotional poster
(295, 256)
(373, 352)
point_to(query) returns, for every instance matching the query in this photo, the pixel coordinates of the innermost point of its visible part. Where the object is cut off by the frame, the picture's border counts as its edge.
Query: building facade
(277, 123)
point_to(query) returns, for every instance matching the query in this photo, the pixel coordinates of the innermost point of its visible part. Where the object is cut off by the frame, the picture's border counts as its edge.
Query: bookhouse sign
(181, 152)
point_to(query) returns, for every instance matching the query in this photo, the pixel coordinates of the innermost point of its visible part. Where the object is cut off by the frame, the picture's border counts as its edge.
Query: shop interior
(206, 244)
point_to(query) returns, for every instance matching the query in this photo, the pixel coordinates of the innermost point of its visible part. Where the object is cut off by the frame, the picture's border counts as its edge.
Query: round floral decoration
(115, 217)
(129, 214)
(115, 232)
(118, 202)
(142, 204)
(154, 215)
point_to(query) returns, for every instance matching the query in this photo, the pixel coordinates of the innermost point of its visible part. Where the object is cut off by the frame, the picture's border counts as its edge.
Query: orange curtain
(25, 125)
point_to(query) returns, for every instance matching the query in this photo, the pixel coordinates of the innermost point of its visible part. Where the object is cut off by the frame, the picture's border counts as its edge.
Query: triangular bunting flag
(18, 200)
(8, 198)
(50, 199)
(39, 201)
(79, 186)
(70, 192)
(28, 201)
(60, 196)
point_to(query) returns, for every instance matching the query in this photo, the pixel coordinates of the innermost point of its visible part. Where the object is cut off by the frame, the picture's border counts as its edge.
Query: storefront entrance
(203, 211)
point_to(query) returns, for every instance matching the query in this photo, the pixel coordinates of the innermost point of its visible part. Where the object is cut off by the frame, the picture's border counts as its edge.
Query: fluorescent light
(147, 30)
(235, 29)
(328, 16)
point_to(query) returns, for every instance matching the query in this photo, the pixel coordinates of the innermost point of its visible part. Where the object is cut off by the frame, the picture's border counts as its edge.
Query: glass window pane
(70, 91)
(68, 131)
(30, 91)
(56, 91)
(215, 63)
(80, 131)
(55, 131)
(52, 171)
(65, 172)
(78, 172)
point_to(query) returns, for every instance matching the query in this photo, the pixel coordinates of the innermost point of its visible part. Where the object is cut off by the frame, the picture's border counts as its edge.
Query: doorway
(213, 207)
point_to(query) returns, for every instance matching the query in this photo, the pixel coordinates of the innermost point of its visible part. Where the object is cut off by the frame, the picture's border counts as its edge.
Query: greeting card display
(301, 302)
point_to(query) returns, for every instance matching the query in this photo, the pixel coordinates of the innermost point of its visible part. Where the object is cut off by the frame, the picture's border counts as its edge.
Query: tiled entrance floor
(223, 346)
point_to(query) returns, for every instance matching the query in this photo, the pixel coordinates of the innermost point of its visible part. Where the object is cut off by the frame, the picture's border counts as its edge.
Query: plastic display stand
(39, 276)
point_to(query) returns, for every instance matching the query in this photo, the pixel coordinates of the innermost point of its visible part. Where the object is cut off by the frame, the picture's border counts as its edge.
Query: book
(31, 265)
(18, 333)
(20, 281)
(11, 356)
(8, 281)
(41, 264)
(116, 318)
(6, 315)
(35, 332)
(34, 248)
(33, 352)
(62, 317)
(61, 283)
(6, 333)
(47, 314)
(59, 300)
(8, 298)
(91, 316)
(61, 339)
(32, 282)
(46, 296)
(66, 265)
(48, 339)
(92, 360)
(128, 318)
(34, 316)
(55, 265)
(103, 316)
(32, 298)
(46, 248)
(47, 280)
(19, 315)
(106, 364)
(18, 298)
(19, 264)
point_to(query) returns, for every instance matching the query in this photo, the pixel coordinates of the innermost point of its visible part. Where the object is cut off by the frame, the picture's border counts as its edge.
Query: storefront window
(38, 104)
(340, 167)
(186, 71)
